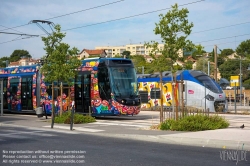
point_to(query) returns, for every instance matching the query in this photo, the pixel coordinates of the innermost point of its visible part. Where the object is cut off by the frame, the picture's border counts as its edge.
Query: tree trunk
(53, 107)
(161, 98)
(61, 105)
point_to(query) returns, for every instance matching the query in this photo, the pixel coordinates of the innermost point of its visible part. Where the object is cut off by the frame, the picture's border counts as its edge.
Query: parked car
(229, 87)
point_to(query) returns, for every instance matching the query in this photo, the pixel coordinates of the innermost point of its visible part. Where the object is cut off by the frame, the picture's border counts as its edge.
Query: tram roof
(168, 76)
(15, 71)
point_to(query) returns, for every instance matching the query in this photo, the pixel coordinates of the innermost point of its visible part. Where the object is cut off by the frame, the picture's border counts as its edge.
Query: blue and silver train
(199, 91)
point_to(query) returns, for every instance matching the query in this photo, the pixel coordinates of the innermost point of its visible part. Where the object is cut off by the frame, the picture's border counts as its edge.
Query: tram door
(26, 93)
(82, 92)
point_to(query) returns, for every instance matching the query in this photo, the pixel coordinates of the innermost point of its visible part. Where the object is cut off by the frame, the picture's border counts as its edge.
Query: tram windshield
(123, 81)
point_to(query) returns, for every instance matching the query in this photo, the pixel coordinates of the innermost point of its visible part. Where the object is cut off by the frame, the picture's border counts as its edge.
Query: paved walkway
(138, 128)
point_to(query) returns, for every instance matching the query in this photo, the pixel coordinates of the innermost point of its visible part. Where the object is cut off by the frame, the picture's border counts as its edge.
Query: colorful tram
(199, 91)
(103, 87)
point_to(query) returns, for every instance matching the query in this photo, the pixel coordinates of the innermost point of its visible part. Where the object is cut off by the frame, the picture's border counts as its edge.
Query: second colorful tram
(103, 87)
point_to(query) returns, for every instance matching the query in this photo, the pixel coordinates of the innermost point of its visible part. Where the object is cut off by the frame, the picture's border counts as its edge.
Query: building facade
(23, 62)
(135, 49)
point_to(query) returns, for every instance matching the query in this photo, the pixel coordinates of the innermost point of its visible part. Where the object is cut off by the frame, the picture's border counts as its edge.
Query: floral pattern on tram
(14, 95)
(100, 106)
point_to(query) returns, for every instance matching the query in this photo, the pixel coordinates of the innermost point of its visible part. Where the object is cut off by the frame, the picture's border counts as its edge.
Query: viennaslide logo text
(233, 155)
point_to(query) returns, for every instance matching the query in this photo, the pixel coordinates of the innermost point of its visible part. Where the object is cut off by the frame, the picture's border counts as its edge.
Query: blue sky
(225, 23)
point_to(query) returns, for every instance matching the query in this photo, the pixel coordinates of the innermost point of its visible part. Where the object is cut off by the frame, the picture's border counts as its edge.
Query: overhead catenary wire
(224, 43)
(209, 30)
(68, 14)
(58, 17)
(17, 39)
(105, 21)
(22, 34)
(84, 10)
(223, 38)
(11, 28)
(131, 16)
(140, 15)
(208, 40)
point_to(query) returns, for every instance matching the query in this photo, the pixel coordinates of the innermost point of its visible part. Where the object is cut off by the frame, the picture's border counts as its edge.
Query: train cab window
(209, 83)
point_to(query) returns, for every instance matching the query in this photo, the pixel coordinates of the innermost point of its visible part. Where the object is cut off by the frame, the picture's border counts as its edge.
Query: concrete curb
(200, 142)
(168, 139)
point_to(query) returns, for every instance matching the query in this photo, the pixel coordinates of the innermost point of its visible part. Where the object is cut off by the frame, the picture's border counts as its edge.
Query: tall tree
(174, 28)
(18, 54)
(61, 63)
(244, 49)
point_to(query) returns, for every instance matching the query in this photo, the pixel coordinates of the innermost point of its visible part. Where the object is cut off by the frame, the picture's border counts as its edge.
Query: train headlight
(209, 97)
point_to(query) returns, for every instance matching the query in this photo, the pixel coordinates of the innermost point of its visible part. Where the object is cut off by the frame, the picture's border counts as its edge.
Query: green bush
(195, 123)
(78, 118)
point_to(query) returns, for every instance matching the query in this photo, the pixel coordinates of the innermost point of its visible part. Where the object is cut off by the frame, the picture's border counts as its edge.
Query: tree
(244, 49)
(18, 54)
(126, 54)
(211, 56)
(198, 50)
(61, 63)
(202, 65)
(232, 68)
(3, 61)
(118, 56)
(220, 60)
(139, 62)
(174, 29)
(188, 65)
(226, 52)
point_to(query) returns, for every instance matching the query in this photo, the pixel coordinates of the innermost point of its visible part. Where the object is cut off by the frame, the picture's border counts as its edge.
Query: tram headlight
(209, 97)
(123, 101)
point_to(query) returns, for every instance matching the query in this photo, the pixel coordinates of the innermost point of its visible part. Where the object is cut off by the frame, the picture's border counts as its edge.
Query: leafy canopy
(62, 62)
(244, 49)
(126, 54)
(174, 29)
(18, 54)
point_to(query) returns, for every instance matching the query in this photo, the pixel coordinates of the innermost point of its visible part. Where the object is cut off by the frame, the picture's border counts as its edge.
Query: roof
(14, 64)
(94, 52)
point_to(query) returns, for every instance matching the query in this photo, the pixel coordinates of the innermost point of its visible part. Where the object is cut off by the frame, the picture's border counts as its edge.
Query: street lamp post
(240, 82)
(142, 68)
(6, 62)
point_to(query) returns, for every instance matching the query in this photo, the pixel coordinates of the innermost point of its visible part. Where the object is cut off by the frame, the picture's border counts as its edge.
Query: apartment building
(135, 49)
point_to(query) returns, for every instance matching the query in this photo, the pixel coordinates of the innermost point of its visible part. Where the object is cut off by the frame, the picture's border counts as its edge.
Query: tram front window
(123, 82)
